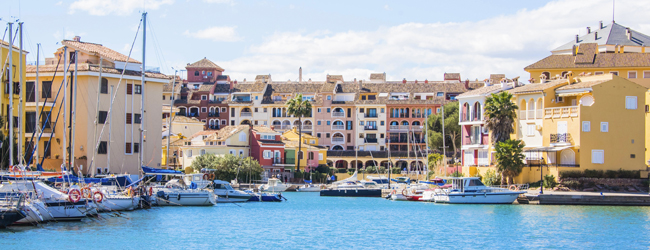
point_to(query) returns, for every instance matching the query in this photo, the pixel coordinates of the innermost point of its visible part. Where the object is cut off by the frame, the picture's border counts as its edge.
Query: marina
(307, 220)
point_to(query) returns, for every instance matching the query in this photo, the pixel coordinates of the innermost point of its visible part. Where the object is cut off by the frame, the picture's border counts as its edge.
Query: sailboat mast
(169, 122)
(11, 96)
(99, 91)
(38, 111)
(65, 108)
(142, 89)
(74, 110)
(108, 147)
(21, 92)
(444, 146)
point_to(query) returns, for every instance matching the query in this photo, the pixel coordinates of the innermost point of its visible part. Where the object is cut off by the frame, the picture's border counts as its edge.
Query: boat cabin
(469, 184)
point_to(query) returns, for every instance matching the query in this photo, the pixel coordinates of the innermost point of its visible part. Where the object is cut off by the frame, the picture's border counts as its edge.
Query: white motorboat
(61, 206)
(470, 190)
(378, 179)
(308, 187)
(274, 185)
(175, 193)
(226, 194)
(116, 201)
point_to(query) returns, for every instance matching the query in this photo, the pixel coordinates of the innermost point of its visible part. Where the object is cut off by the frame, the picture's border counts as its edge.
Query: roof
(293, 88)
(612, 34)
(537, 87)
(497, 77)
(183, 119)
(482, 91)
(601, 60)
(248, 87)
(226, 132)
(221, 88)
(167, 87)
(93, 68)
(3, 42)
(294, 144)
(205, 63)
(452, 76)
(378, 76)
(203, 133)
(264, 129)
(100, 50)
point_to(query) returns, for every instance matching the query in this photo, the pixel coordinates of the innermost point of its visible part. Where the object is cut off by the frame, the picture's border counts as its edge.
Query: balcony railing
(194, 114)
(540, 113)
(370, 127)
(306, 127)
(561, 112)
(338, 114)
(531, 114)
(522, 114)
(338, 127)
(561, 138)
(393, 127)
(338, 139)
(370, 140)
(370, 115)
(246, 114)
(213, 114)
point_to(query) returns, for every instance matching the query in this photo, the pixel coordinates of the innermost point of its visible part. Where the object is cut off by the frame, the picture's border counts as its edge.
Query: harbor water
(309, 221)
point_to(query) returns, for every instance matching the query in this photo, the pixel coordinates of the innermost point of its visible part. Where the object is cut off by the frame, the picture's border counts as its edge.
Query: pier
(586, 198)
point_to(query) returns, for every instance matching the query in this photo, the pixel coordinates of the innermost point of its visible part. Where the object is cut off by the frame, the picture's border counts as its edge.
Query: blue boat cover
(308, 181)
(157, 171)
(135, 182)
(75, 179)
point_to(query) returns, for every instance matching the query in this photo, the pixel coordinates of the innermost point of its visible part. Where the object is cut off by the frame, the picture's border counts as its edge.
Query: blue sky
(405, 39)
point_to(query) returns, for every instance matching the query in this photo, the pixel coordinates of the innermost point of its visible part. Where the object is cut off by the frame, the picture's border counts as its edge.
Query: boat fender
(179, 197)
(74, 195)
(99, 197)
(167, 198)
(86, 192)
(150, 191)
(513, 188)
(212, 176)
(404, 192)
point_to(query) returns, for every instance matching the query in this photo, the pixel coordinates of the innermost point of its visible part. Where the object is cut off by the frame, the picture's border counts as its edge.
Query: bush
(382, 170)
(572, 184)
(549, 181)
(298, 175)
(628, 174)
(491, 178)
(395, 170)
(457, 174)
(341, 170)
(323, 169)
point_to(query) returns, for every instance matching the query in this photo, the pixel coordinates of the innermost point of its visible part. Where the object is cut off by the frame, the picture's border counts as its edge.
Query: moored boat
(470, 190)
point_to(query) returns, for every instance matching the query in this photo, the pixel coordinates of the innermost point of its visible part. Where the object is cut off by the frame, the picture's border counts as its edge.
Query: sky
(405, 39)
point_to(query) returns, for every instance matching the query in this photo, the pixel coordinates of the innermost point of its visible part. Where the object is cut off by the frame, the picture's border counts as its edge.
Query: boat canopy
(308, 181)
(121, 180)
(157, 171)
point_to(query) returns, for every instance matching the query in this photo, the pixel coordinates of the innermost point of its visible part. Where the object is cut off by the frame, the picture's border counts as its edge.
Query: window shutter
(604, 127)
(128, 118)
(598, 156)
(129, 89)
(630, 102)
(586, 126)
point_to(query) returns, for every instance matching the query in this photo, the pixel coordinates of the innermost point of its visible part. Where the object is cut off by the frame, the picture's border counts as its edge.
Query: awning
(156, 171)
(546, 149)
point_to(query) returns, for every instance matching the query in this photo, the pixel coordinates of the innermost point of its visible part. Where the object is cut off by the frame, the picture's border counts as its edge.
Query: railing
(212, 127)
(370, 115)
(531, 114)
(194, 114)
(181, 113)
(370, 140)
(277, 160)
(416, 127)
(241, 99)
(406, 127)
(283, 127)
(338, 127)
(561, 112)
(561, 138)
(522, 114)
(370, 127)
(306, 127)
(338, 114)
(338, 139)
(246, 114)
(540, 114)
(393, 127)
(213, 114)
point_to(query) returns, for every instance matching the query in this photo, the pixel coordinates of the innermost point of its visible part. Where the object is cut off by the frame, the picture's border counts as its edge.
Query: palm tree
(510, 159)
(299, 107)
(500, 112)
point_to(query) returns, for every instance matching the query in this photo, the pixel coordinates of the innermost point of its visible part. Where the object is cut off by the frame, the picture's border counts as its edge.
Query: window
(586, 126)
(631, 74)
(329, 97)
(232, 123)
(349, 137)
(362, 110)
(241, 153)
(136, 147)
(381, 123)
(320, 156)
(232, 113)
(104, 86)
(223, 110)
(328, 110)
(559, 99)
(604, 127)
(204, 97)
(189, 153)
(318, 122)
(440, 94)
(203, 72)
(318, 110)
(256, 110)
(328, 123)
(256, 97)
(46, 89)
(360, 123)
(102, 117)
(223, 122)
(102, 149)
(349, 112)
(268, 137)
(614, 73)
(255, 122)
(204, 110)
(264, 110)
(531, 129)
(381, 135)
(137, 118)
(196, 73)
(646, 74)
(599, 73)
(242, 136)
(327, 135)
(382, 110)
(138, 89)
(232, 152)
(630, 102)
(310, 155)
(128, 148)
(209, 73)
(598, 156)
(129, 89)
(128, 118)
(318, 135)
(348, 125)
(164, 98)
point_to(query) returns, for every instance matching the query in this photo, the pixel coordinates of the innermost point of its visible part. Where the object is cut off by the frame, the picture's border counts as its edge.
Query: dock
(587, 198)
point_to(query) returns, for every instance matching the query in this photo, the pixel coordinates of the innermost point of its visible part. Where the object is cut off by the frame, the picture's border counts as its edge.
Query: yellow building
(94, 86)
(232, 140)
(18, 110)
(316, 155)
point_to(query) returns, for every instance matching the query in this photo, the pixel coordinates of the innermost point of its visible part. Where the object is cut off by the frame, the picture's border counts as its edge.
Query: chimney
(416, 80)
(300, 75)
(404, 81)
(487, 82)
(577, 39)
(360, 83)
(596, 35)
(467, 84)
(588, 30)
(77, 38)
(355, 80)
(628, 33)
(601, 24)
(426, 81)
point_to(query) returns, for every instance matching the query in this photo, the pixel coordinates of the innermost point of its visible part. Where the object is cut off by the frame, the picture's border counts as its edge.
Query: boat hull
(266, 197)
(10, 216)
(119, 203)
(66, 211)
(186, 199)
(485, 198)
(351, 192)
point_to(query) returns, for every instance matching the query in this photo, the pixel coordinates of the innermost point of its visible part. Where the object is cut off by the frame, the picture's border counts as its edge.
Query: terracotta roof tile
(205, 63)
(225, 132)
(537, 87)
(601, 60)
(93, 68)
(100, 50)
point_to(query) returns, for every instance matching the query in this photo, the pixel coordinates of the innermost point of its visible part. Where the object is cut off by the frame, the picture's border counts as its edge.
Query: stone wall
(612, 182)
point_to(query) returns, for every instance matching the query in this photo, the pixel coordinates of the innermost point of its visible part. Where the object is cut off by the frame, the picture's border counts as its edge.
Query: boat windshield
(475, 183)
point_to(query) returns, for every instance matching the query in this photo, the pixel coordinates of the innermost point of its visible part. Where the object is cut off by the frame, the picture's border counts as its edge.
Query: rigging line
(110, 107)
(157, 49)
(7, 58)
(56, 122)
(47, 119)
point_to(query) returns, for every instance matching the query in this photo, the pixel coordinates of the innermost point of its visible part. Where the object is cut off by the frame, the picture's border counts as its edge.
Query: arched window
(465, 112)
(477, 111)
(522, 110)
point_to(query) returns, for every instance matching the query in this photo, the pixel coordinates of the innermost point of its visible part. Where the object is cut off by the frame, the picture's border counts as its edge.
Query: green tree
(510, 159)
(500, 113)
(228, 167)
(452, 128)
(434, 161)
(298, 107)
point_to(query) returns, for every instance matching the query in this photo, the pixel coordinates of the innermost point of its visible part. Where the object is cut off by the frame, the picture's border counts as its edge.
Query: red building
(268, 149)
(203, 93)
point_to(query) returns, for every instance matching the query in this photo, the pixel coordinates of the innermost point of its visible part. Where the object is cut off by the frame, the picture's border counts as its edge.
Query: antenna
(613, 10)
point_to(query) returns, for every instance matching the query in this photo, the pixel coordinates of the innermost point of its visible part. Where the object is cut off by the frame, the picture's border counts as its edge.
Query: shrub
(341, 170)
(628, 174)
(395, 170)
(382, 170)
(298, 175)
(572, 184)
(457, 174)
(323, 168)
(491, 178)
(549, 181)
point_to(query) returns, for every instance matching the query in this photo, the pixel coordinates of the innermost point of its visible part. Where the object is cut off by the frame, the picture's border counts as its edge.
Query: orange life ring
(404, 192)
(393, 192)
(150, 191)
(74, 195)
(86, 192)
(513, 188)
(101, 196)
(212, 176)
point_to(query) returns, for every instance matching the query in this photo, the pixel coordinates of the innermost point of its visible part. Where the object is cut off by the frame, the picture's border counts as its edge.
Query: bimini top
(156, 171)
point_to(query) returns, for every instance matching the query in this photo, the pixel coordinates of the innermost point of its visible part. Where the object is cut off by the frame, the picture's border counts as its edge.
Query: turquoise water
(309, 221)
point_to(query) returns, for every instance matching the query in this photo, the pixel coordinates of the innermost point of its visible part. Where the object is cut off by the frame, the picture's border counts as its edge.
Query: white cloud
(386, 7)
(118, 7)
(217, 34)
(59, 3)
(502, 44)
(229, 2)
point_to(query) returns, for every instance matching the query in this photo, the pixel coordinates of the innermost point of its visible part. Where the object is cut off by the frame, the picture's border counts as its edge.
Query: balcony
(338, 127)
(522, 114)
(181, 113)
(561, 138)
(246, 114)
(370, 127)
(393, 127)
(338, 140)
(561, 112)
(193, 114)
(213, 127)
(370, 140)
(370, 115)
(213, 114)
(306, 127)
(338, 114)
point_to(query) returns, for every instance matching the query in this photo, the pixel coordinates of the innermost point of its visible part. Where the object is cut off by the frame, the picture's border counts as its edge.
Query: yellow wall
(4, 98)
